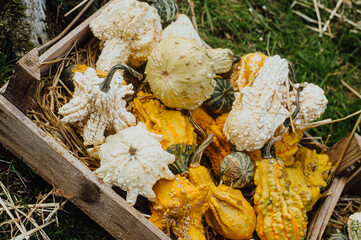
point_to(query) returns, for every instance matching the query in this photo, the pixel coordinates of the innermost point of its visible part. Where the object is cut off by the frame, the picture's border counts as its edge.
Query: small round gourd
(236, 170)
(222, 98)
(354, 226)
(337, 236)
(167, 9)
(180, 73)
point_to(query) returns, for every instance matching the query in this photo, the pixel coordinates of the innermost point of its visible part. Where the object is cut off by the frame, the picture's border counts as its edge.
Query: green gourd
(222, 99)
(337, 236)
(167, 9)
(236, 170)
(354, 226)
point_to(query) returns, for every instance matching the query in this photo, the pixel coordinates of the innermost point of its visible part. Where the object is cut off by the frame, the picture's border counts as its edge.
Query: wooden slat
(352, 153)
(323, 214)
(59, 168)
(24, 81)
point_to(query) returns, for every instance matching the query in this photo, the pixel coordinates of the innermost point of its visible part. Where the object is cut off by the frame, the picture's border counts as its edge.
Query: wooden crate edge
(58, 167)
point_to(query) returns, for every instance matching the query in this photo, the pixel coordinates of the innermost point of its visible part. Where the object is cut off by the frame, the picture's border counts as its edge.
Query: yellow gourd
(287, 147)
(180, 206)
(220, 147)
(179, 137)
(229, 212)
(280, 211)
(245, 72)
(308, 175)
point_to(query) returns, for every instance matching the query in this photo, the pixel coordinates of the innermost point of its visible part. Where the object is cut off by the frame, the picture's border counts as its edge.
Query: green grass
(270, 26)
(242, 26)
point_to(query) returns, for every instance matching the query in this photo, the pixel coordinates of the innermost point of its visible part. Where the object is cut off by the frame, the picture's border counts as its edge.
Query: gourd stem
(204, 135)
(236, 58)
(197, 155)
(292, 71)
(268, 147)
(105, 85)
(287, 122)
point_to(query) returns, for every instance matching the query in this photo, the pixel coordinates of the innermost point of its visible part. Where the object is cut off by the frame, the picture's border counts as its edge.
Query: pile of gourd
(201, 101)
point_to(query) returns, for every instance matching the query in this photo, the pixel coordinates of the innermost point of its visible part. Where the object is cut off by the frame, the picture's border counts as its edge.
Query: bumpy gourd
(223, 59)
(308, 175)
(354, 226)
(236, 170)
(180, 73)
(220, 146)
(128, 30)
(179, 137)
(280, 211)
(257, 111)
(245, 72)
(222, 98)
(180, 205)
(286, 148)
(229, 213)
(99, 103)
(133, 159)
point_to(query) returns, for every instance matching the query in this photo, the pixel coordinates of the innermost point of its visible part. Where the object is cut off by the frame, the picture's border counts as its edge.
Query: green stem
(197, 155)
(268, 154)
(236, 58)
(105, 85)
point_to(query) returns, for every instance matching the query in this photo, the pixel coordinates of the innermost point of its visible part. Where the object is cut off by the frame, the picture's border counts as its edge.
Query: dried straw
(21, 215)
(53, 93)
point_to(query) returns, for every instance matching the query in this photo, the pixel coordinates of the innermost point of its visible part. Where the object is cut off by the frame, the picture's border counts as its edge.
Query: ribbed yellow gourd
(280, 211)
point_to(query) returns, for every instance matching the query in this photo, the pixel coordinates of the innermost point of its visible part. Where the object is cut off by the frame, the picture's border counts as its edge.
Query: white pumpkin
(134, 160)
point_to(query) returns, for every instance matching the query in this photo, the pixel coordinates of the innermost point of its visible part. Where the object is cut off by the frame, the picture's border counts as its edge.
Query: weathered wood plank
(59, 168)
(322, 215)
(352, 153)
(24, 81)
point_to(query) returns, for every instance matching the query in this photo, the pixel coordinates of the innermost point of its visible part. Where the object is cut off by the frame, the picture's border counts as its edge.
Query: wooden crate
(60, 168)
(54, 163)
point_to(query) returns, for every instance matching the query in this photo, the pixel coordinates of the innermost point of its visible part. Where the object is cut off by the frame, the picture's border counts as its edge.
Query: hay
(22, 221)
(53, 93)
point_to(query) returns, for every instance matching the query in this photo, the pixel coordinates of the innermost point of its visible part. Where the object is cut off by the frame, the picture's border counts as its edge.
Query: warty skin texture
(137, 151)
(128, 30)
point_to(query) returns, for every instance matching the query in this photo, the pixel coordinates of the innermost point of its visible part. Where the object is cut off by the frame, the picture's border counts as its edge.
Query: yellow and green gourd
(229, 213)
(280, 211)
(179, 137)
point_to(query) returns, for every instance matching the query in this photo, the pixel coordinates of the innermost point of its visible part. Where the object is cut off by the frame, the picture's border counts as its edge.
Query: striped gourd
(236, 170)
(354, 226)
(167, 9)
(222, 98)
(337, 236)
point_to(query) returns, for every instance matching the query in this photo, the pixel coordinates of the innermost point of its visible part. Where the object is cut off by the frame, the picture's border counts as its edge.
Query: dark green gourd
(236, 170)
(167, 9)
(222, 98)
